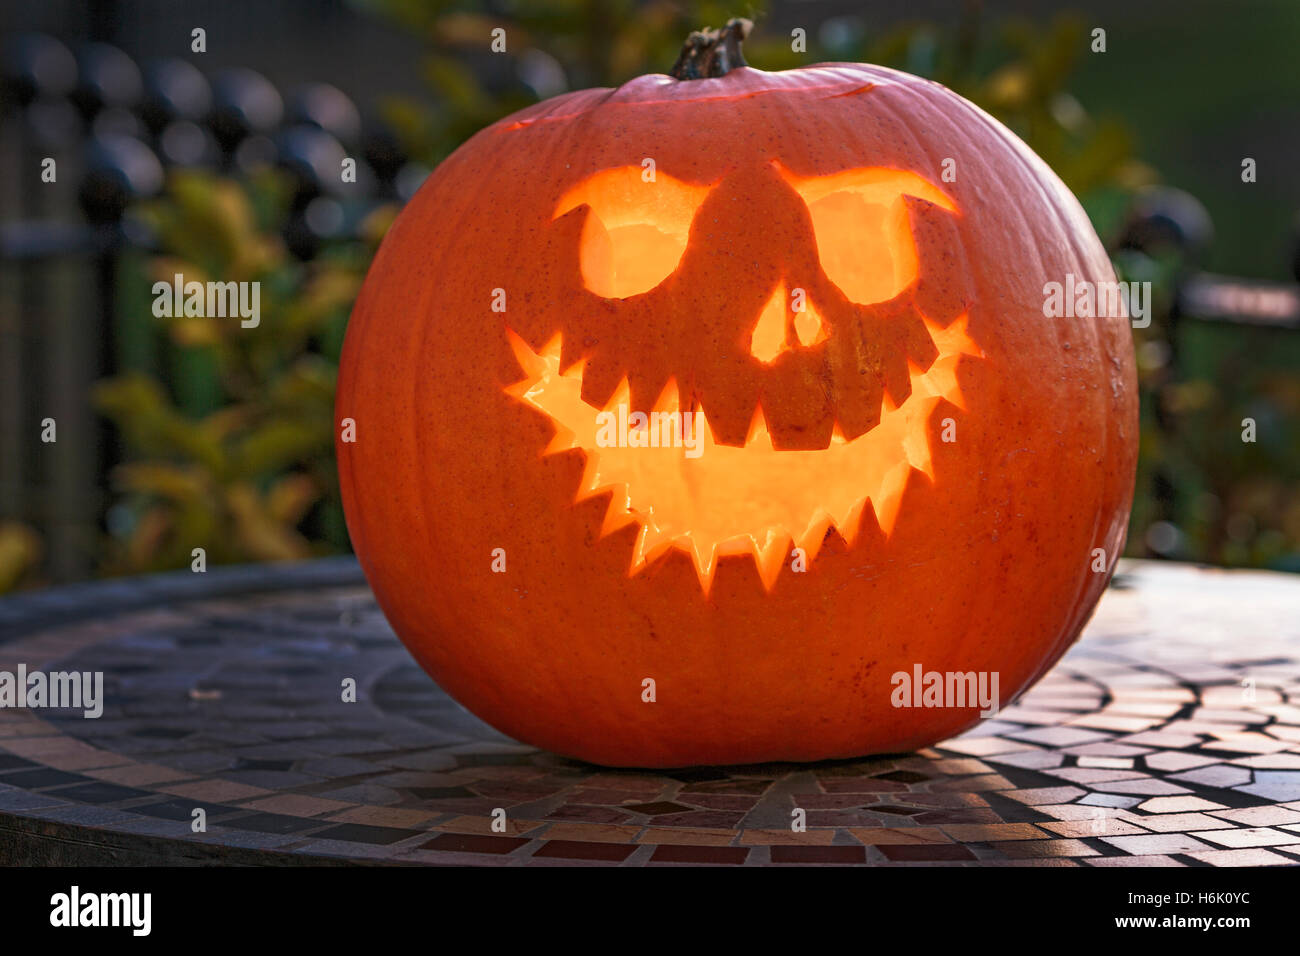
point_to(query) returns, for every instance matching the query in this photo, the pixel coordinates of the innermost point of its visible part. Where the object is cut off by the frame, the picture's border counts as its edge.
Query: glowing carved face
(713, 498)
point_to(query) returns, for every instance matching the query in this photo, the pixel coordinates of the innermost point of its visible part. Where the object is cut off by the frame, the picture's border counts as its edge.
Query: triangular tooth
(841, 517)
(645, 391)
(531, 362)
(814, 535)
(639, 550)
(705, 435)
(669, 399)
(564, 439)
(653, 540)
(891, 497)
(552, 348)
(954, 339)
(570, 355)
(617, 515)
(575, 371)
(758, 433)
(708, 569)
(558, 393)
(600, 377)
(852, 522)
(916, 446)
(769, 556)
(940, 381)
(621, 396)
(651, 543)
(703, 564)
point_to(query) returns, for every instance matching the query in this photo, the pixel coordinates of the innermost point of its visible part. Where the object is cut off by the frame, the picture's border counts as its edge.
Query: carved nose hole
(788, 320)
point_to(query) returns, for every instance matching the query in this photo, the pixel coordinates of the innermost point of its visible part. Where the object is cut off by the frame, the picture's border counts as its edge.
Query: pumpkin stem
(711, 53)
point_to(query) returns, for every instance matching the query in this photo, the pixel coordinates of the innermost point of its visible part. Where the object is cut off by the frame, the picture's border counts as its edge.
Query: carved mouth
(756, 499)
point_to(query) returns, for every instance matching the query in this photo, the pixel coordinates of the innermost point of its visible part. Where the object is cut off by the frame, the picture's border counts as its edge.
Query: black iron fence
(85, 136)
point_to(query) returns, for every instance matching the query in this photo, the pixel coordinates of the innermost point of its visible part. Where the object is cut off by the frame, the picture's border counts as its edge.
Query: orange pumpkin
(687, 416)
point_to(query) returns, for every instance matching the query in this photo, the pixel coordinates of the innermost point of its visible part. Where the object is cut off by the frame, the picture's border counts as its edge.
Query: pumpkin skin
(986, 560)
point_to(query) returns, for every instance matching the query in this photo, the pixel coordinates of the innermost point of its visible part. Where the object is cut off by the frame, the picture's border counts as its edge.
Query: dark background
(181, 434)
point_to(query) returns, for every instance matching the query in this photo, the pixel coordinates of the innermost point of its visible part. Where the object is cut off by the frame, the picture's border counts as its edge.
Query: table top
(1169, 735)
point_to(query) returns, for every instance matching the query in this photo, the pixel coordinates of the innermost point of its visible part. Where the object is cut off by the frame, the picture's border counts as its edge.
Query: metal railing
(106, 131)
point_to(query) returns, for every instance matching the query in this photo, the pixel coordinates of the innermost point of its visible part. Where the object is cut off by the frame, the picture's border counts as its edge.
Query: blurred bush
(236, 456)
(20, 554)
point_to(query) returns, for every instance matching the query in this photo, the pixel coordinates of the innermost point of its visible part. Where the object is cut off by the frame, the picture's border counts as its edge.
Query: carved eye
(636, 231)
(861, 226)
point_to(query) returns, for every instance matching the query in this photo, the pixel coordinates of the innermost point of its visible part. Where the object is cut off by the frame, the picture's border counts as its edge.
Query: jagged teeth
(720, 501)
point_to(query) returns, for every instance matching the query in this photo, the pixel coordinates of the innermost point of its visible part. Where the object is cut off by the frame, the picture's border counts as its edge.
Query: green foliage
(591, 42)
(244, 467)
(20, 553)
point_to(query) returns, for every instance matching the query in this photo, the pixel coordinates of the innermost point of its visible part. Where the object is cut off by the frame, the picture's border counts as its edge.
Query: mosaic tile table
(1170, 735)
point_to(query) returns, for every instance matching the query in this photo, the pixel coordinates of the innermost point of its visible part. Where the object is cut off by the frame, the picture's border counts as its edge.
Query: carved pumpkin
(837, 273)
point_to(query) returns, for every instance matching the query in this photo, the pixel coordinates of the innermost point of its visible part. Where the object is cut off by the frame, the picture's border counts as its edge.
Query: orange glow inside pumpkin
(860, 221)
(635, 232)
(753, 499)
(778, 320)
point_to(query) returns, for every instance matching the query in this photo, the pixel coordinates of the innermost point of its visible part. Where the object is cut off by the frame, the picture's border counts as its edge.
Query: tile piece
(686, 853)
(982, 833)
(386, 816)
(1179, 805)
(464, 824)
(1167, 760)
(1117, 800)
(878, 836)
(474, 843)
(583, 850)
(1100, 827)
(757, 836)
(1279, 786)
(1255, 857)
(1045, 795)
(362, 833)
(819, 854)
(297, 804)
(1250, 837)
(216, 790)
(97, 792)
(1134, 861)
(925, 852)
(1032, 849)
(1215, 775)
(1060, 736)
(139, 774)
(1158, 843)
(701, 836)
(1178, 822)
(1272, 816)
(591, 832)
(1149, 786)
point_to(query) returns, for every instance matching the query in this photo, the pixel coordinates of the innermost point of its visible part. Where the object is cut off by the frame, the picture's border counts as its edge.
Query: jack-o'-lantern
(685, 417)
